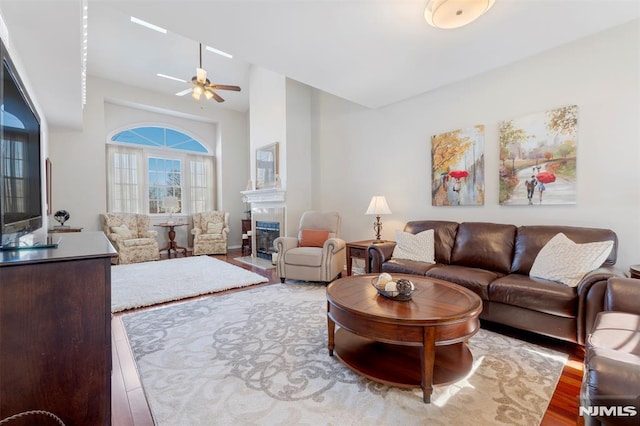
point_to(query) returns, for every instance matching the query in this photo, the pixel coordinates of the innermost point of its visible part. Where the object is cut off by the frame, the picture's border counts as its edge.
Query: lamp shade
(455, 13)
(378, 206)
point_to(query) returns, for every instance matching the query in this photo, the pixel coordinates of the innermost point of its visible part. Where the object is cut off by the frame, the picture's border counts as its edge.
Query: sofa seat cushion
(304, 256)
(536, 294)
(619, 331)
(135, 242)
(476, 280)
(404, 266)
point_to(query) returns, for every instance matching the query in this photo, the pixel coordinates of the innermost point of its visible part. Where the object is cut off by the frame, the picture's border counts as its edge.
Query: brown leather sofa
(610, 391)
(494, 261)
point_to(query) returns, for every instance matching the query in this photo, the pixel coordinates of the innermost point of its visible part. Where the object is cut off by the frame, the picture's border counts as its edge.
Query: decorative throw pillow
(564, 261)
(419, 247)
(313, 237)
(214, 228)
(123, 231)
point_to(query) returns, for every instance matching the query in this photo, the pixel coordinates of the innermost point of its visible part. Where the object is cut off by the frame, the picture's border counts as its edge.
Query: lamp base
(378, 241)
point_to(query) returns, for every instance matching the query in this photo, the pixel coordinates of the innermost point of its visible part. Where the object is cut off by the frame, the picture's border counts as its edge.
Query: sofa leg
(282, 279)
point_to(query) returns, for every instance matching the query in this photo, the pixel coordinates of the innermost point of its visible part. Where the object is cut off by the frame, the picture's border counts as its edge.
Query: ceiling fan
(202, 86)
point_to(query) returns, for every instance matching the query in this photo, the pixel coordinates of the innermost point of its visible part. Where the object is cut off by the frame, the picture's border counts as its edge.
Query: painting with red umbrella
(457, 160)
(538, 158)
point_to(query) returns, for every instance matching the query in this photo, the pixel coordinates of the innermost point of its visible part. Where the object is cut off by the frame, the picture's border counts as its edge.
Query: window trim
(168, 153)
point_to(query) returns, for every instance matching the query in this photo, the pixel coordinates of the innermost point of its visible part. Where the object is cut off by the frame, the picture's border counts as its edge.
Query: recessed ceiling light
(171, 78)
(148, 25)
(219, 52)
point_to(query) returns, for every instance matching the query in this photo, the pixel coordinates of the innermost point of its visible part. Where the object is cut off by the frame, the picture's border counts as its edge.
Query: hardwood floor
(129, 406)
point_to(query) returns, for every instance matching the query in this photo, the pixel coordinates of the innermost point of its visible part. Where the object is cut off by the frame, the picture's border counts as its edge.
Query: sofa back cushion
(484, 245)
(531, 239)
(444, 236)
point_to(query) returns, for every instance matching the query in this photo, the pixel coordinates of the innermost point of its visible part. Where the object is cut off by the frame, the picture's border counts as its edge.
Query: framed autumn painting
(457, 163)
(538, 158)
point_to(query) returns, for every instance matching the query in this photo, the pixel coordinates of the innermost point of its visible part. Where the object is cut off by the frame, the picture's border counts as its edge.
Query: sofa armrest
(115, 238)
(622, 294)
(282, 244)
(149, 233)
(196, 232)
(333, 245)
(380, 253)
(591, 292)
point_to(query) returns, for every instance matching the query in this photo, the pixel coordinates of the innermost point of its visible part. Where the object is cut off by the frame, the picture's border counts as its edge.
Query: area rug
(259, 357)
(149, 283)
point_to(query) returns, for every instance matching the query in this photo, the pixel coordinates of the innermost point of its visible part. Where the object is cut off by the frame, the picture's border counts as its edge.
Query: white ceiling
(371, 52)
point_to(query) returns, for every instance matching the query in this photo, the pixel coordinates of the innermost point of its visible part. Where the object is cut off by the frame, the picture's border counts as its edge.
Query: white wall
(358, 152)
(298, 153)
(78, 158)
(281, 112)
(267, 121)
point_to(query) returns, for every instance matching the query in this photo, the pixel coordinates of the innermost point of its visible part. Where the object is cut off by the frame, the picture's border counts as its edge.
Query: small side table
(358, 249)
(634, 271)
(172, 245)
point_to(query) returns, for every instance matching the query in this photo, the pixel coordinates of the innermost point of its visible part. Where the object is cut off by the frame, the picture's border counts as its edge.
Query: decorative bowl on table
(392, 289)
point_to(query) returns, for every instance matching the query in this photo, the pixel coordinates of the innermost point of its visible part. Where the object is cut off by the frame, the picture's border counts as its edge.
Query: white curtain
(125, 175)
(200, 184)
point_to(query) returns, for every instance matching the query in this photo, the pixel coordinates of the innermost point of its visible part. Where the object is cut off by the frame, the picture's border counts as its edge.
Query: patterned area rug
(259, 357)
(149, 283)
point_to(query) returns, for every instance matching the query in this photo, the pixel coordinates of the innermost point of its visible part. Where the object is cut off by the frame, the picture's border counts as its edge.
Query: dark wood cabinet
(246, 242)
(55, 331)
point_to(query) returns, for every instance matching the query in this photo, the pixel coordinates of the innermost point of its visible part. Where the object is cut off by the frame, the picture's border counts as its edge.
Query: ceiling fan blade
(217, 97)
(201, 75)
(184, 92)
(225, 87)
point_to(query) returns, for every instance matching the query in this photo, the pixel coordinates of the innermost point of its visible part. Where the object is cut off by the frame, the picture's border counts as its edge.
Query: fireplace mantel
(269, 195)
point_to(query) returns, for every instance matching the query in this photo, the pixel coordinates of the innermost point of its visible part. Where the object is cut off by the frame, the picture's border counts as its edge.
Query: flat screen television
(20, 162)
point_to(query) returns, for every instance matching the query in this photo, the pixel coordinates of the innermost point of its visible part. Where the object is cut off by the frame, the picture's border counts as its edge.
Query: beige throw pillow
(123, 231)
(564, 261)
(419, 247)
(214, 228)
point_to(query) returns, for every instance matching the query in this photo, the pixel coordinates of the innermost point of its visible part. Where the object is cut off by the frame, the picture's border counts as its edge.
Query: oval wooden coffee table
(417, 343)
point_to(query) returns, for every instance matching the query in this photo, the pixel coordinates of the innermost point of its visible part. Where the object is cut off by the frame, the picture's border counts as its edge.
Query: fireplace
(267, 219)
(266, 233)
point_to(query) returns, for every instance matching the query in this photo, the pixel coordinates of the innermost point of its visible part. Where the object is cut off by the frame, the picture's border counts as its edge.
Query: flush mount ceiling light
(455, 13)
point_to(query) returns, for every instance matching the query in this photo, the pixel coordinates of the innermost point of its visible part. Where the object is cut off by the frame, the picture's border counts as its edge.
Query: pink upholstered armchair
(130, 235)
(210, 231)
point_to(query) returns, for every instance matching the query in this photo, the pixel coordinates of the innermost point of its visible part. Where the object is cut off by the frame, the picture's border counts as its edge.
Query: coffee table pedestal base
(400, 365)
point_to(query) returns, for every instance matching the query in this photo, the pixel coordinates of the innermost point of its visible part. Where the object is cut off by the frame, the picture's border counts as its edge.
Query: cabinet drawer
(358, 252)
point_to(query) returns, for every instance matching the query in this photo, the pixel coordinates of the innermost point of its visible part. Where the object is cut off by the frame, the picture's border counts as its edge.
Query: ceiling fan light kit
(449, 14)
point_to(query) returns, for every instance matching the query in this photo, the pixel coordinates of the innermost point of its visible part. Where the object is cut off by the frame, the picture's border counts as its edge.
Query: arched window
(150, 167)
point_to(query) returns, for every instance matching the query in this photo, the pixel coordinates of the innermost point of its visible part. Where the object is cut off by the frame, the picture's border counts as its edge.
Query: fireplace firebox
(266, 233)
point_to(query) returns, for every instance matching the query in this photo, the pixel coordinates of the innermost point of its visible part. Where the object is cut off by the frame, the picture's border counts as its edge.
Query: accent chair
(210, 232)
(317, 253)
(130, 235)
